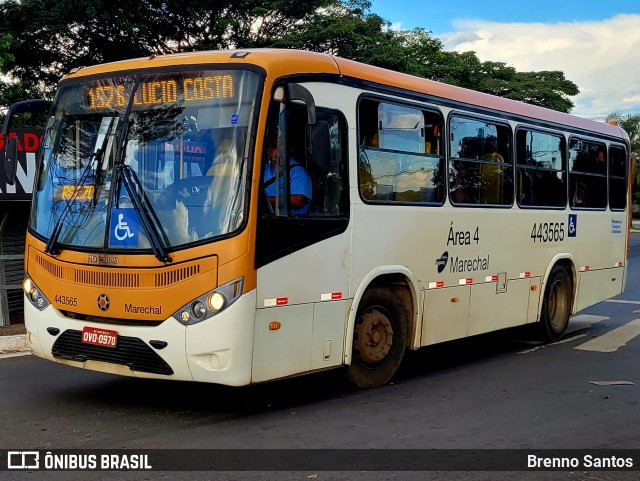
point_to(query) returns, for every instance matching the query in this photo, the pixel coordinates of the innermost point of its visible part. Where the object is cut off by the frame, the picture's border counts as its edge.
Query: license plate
(99, 337)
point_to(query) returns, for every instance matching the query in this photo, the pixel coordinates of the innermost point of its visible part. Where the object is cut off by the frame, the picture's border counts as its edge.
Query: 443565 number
(66, 300)
(548, 232)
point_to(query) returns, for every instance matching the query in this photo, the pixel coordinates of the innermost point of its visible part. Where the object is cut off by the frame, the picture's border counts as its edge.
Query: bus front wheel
(556, 305)
(379, 339)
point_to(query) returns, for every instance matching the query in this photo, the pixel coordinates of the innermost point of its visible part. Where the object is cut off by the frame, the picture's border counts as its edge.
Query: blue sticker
(234, 119)
(616, 226)
(572, 228)
(125, 228)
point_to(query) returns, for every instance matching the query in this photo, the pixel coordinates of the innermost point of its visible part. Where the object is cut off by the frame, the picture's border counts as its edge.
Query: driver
(300, 186)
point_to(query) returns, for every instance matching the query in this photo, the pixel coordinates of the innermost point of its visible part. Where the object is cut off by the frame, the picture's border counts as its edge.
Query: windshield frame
(247, 156)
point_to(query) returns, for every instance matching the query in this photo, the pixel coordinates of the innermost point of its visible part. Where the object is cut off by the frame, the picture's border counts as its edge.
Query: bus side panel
(535, 294)
(446, 314)
(327, 344)
(491, 310)
(596, 286)
(286, 350)
(307, 293)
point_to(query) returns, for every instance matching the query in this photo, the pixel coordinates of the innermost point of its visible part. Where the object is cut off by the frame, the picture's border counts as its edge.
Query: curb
(13, 344)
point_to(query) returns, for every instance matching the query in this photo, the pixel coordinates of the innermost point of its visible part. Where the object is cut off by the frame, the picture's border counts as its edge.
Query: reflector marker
(280, 301)
(584, 268)
(491, 279)
(524, 275)
(331, 296)
(436, 285)
(466, 282)
(618, 264)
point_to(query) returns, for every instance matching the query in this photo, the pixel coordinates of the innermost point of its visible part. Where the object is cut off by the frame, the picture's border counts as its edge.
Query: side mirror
(36, 107)
(11, 160)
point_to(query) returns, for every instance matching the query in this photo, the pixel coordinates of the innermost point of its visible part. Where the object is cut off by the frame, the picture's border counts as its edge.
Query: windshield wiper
(142, 206)
(52, 243)
(157, 237)
(107, 145)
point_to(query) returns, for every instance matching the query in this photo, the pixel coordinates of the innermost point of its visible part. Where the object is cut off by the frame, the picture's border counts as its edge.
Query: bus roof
(280, 62)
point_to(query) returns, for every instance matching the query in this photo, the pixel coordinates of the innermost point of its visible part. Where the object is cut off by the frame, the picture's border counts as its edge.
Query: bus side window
(400, 159)
(617, 178)
(321, 181)
(587, 174)
(541, 173)
(329, 176)
(281, 230)
(481, 171)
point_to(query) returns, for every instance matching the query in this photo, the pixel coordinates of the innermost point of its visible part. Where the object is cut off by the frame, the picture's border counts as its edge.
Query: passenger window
(541, 180)
(587, 174)
(617, 178)
(481, 170)
(400, 154)
(400, 128)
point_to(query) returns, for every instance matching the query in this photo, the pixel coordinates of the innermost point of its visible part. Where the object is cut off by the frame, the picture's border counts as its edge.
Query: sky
(595, 43)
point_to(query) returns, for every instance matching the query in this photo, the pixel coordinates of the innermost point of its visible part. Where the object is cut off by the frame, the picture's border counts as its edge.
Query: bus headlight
(199, 309)
(34, 295)
(211, 303)
(216, 301)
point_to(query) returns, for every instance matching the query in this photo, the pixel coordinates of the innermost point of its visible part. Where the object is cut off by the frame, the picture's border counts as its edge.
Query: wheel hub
(557, 304)
(374, 336)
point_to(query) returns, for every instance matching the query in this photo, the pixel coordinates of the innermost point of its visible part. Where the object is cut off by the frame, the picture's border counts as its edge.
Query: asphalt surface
(496, 391)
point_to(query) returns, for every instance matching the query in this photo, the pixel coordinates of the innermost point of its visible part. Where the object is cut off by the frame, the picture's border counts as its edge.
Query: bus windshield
(133, 162)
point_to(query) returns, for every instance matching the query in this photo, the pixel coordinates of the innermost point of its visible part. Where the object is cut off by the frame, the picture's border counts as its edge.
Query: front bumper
(217, 350)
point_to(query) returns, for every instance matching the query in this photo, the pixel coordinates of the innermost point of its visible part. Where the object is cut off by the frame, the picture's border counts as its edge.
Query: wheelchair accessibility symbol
(125, 227)
(573, 225)
(122, 230)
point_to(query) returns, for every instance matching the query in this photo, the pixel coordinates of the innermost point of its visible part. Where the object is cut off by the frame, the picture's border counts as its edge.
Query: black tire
(379, 339)
(556, 305)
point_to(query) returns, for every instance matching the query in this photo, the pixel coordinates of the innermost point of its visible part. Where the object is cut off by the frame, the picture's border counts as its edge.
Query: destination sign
(104, 95)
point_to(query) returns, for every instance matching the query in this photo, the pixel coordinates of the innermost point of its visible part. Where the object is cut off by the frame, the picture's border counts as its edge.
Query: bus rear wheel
(556, 305)
(379, 339)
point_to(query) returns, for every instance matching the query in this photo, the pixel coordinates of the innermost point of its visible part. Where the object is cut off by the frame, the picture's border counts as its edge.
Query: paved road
(492, 391)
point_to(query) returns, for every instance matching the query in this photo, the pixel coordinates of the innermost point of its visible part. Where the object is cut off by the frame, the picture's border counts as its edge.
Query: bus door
(302, 251)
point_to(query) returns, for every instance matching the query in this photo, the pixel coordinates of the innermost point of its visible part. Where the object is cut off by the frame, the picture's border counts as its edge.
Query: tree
(353, 33)
(45, 39)
(426, 58)
(546, 89)
(41, 40)
(631, 124)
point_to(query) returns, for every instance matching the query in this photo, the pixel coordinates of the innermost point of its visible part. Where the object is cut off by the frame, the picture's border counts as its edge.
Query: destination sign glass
(160, 90)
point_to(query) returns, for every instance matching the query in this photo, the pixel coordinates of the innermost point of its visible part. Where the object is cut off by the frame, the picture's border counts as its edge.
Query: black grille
(130, 351)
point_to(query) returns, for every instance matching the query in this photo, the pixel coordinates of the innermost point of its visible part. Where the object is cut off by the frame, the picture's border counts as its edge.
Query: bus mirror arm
(318, 137)
(11, 160)
(298, 92)
(11, 151)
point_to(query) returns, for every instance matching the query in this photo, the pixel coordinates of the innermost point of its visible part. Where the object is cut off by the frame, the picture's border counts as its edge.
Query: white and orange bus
(167, 240)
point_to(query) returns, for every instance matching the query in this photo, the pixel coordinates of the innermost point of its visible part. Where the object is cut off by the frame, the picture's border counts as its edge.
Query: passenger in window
(600, 166)
(367, 182)
(432, 141)
(580, 195)
(581, 162)
(300, 186)
(462, 184)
